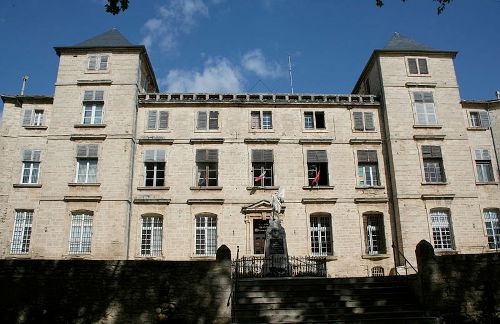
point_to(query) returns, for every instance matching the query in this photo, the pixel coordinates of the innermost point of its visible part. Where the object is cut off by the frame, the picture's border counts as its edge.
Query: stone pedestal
(276, 252)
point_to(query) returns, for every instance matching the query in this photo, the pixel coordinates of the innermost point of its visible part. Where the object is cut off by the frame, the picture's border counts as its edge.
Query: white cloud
(218, 75)
(173, 19)
(255, 62)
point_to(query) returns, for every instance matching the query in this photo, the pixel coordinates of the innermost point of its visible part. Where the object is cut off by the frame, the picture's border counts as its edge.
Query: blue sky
(243, 45)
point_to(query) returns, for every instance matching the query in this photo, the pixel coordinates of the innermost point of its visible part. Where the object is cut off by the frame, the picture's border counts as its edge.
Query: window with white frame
(154, 168)
(157, 120)
(98, 62)
(31, 166)
(207, 162)
(433, 164)
(363, 121)
(484, 168)
(417, 66)
(317, 168)
(314, 120)
(261, 120)
(151, 235)
(21, 237)
(207, 120)
(93, 103)
(375, 234)
(262, 168)
(425, 110)
(492, 224)
(206, 235)
(81, 233)
(479, 119)
(368, 175)
(442, 234)
(86, 163)
(33, 117)
(321, 235)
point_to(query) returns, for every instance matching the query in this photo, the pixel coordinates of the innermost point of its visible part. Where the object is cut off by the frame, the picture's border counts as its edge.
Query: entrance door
(259, 235)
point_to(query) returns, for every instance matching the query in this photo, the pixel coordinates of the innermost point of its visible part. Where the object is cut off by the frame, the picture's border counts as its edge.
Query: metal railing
(407, 263)
(279, 266)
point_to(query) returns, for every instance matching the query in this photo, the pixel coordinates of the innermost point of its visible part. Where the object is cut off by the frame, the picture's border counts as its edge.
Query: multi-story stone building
(109, 168)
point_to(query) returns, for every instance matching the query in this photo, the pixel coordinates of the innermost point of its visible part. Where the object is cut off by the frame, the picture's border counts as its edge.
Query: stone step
(355, 304)
(327, 288)
(322, 295)
(388, 320)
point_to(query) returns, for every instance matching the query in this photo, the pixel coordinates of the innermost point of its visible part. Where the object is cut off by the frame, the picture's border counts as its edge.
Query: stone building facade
(110, 168)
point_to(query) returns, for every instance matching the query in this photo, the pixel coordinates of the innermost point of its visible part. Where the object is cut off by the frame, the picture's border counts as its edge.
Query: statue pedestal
(276, 253)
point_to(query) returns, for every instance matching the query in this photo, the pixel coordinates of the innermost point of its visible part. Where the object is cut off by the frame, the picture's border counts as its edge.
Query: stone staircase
(328, 300)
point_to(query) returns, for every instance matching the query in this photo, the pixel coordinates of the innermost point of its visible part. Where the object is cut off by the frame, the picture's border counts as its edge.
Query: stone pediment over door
(262, 208)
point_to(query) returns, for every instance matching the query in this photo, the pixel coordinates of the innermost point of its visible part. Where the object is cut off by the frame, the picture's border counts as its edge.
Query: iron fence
(279, 266)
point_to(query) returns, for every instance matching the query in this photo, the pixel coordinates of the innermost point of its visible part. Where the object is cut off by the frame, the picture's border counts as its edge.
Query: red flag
(316, 178)
(259, 178)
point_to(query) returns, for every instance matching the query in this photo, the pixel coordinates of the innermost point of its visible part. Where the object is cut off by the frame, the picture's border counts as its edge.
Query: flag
(259, 178)
(315, 181)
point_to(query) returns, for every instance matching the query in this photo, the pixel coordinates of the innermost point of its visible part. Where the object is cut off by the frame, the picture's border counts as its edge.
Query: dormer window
(98, 62)
(417, 66)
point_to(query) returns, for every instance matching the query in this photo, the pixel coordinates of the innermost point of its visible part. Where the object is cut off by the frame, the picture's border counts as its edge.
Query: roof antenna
(25, 78)
(290, 71)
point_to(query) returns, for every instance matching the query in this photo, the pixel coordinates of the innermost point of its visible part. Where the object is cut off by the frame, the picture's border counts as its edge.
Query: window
(93, 102)
(154, 164)
(321, 235)
(484, 168)
(21, 236)
(433, 164)
(375, 234)
(492, 228)
(157, 120)
(317, 168)
(424, 108)
(98, 62)
(31, 166)
(33, 117)
(441, 230)
(81, 233)
(207, 164)
(261, 120)
(206, 235)
(86, 163)
(368, 169)
(377, 271)
(207, 120)
(479, 119)
(262, 168)
(151, 235)
(417, 66)
(314, 120)
(363, 121)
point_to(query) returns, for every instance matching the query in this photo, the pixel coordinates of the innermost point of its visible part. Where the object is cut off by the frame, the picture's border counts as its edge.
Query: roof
(112, 38)
(26, 99)
(400, 42)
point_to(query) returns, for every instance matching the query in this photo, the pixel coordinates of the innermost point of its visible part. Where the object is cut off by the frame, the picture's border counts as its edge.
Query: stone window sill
(446, 252)
(315, 130)
(427, 126)
(327, 257)
(90, 125)
(202, 257)
(370, 187)
(35, 127)
(375, 256)
(477, 128)
(205, 188)
(153, 188)
(487, 183)
(78, 184)
(318, 187)
(434, 183)
(27, 185)
(263, 188)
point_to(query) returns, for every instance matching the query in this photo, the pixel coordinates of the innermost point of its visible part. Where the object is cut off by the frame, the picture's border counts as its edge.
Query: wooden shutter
(93, 150)
(367, 156)
(427, 97)
(92, 62)
(431, 151)
(88, 95)
(163, 122)
(98, 95)
(358, 120)
(154, 156)
(484, 117)
(28, 113)
(422, 66)
(412, 66)
(87, 151)
(262, 156)
(103, 64)
(201, 120)
(316, 156)
(369, 123)
(152, 119)
(255, 119)
(213, 121)
(31, 155)
(207, 156)
(418, 96)
(482, 155)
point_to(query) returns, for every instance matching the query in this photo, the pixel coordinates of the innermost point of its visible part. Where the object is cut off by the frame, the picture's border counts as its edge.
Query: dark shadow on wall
(85, 291)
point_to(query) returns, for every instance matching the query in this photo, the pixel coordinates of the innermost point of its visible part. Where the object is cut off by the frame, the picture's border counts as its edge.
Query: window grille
(321, 236)
(492, 228)
(433, 164)
(375, 234)
(377, 272)
(81, 234)
(206, 235)
(151, 235)
(441, 230)
(21, 237)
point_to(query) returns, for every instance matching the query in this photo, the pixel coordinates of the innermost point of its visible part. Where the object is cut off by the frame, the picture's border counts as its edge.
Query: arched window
(321, 234)
(81, 232)
(377, 271)
(206, 235)
(374, 233)
(151, 235)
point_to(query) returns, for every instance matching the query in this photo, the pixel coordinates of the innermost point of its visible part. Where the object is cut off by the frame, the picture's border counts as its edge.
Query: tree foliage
(117, 6)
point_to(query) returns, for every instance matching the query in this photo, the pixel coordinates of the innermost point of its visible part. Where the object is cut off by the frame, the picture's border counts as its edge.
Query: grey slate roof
(400, 42)
(112, 38)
